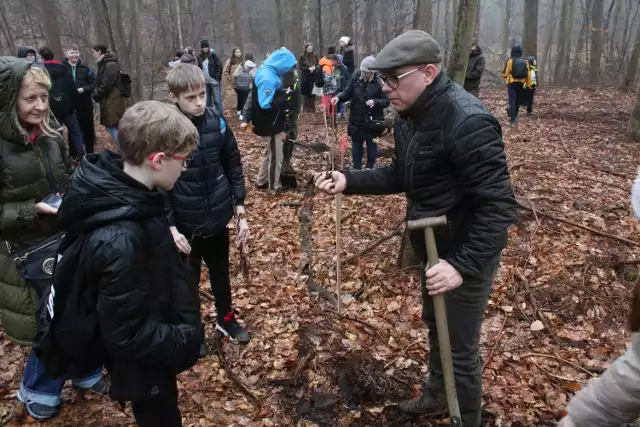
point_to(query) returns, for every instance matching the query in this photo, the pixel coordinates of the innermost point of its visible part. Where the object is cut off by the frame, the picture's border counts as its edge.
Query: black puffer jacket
(450, 160)
(85, 79)
(63, 95)
(148, 320)
(360, 91)
(475, 69)
(202, 199)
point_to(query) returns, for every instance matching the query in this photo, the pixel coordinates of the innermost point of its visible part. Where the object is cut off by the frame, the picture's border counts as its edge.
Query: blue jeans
(76, 144)
(342, 109)
(38, 387)
(357, 152)
(113, 131)
(214, 96)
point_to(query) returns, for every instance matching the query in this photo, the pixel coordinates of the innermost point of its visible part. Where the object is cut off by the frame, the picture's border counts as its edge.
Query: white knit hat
(345, 40)
(366, 63)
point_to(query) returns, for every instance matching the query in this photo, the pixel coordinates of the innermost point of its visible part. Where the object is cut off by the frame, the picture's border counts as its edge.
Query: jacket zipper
(26, 255)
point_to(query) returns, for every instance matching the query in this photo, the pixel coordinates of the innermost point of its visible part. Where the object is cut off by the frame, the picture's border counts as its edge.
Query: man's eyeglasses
(185, 160)
(394, 81)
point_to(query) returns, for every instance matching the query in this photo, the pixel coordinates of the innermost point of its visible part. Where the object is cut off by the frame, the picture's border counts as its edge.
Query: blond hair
(184, 77)
(40, 77)
(153, 127)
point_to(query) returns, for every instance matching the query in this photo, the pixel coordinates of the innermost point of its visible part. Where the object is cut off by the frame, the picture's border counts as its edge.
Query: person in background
(30, 146)
(343, 78)
(449, 160)
(176, 59)
(368, 102)
(147, 320)
(27, 53)
(265, 110)
(348, 50)
(330, 86)
(230, 66)
(475, 69)
(243, 82)
(613, 399)
(107, 90)
(85, 80)
(63, 100)
(530, 91)
(208, 194)
(308, 63)
(211, 65)
(291, 84)
(517, 76)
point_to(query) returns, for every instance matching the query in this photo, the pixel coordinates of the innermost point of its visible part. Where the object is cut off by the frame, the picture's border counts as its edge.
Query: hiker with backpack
(63, 98)
(35, 167)
(517, 75)
(108, 90)
(308, 64)
(243, 82)
(530, 92)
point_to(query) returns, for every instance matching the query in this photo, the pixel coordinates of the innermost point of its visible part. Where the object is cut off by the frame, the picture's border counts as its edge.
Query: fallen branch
(396, 232)
(403, 353)
(230, 373)
(207, 295)
(584, 227)
(355, 319)
(559, 359)
(626, 262)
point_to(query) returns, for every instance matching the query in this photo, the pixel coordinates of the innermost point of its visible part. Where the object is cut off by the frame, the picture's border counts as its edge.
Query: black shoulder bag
(36, 263)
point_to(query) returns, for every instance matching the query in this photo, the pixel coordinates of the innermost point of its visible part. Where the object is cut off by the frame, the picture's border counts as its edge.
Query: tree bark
(51, 28)
(562, 31)
(423, 15)
(179, 22)
(346, 18)
(551, 26)
(531, 28)
(632, 67)
(368, 28)
(6, 30)
(320, 35)
(297, 15)
(462, 40)
(634, 122)
(237, 26)
(138, 89)
(107, 20)
(436, 28)
(124, 54)
(280, 23)
(596, 43)
(506, 29)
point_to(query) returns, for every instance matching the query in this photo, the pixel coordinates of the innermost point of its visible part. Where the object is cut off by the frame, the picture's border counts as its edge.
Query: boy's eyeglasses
(394, 81)
(185, 160)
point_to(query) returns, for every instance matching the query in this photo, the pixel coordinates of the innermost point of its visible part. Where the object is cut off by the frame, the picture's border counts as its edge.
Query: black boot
(432, 400)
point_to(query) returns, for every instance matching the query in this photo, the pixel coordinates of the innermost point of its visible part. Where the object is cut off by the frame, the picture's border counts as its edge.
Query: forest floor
(557, 316)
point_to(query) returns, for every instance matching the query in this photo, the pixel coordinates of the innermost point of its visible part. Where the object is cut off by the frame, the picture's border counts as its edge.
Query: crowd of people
(103, 252)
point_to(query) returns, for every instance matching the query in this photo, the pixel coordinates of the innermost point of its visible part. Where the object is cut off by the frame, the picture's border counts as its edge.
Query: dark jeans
(160, 411)
(214, 97)
(85, 119)
(357, 152)
(529, 95)
(76, 145)
(214, 250)
(465, 313)
(516, 99)
(242, 98)
(309, 104)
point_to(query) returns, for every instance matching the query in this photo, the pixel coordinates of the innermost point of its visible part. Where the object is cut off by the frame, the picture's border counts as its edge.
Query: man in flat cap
(449, 160)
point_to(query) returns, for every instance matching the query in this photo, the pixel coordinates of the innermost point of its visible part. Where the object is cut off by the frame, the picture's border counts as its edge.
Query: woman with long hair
(35, 168)
(308, 63)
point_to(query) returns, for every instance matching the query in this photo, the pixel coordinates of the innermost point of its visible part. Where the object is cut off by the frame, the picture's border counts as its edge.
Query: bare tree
(634, 122)
(531, 27)
(6, 29)
(462, 39)
(596, 42)
(320, 34)
(632, 67)
(551, 26)
(280, 20)
(138, 87)
(346, 18)
(368, 25)
(51, 28)
(507, 29)
(297, 15)
(179, 22)
(564, 51)
(422, 17)
(237, 27)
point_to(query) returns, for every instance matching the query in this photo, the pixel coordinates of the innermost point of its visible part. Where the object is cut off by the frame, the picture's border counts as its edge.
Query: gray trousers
(465, 313)
(271, 162)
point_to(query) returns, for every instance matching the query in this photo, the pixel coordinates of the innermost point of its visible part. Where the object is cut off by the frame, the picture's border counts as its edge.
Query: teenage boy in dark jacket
(85, 81)
(148, 320)
(207, 195)
(291, 81)
(63, 99)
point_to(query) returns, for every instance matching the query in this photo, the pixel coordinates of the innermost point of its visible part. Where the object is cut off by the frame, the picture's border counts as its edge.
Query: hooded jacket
(148, 321)
(63, 95)
(516, 53)
(24, 51)
(268, 101)
(475, 69)
(203, 199)
(107, 90)
(449, 160)
(23, 183)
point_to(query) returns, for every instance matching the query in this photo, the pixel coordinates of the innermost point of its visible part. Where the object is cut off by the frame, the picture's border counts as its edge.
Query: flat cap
(411, 48)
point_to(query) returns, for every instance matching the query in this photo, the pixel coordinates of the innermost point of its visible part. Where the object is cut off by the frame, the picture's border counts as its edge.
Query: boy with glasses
(449, 160)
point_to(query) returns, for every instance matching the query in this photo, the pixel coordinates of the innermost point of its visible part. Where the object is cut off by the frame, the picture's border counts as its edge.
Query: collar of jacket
(420, 108)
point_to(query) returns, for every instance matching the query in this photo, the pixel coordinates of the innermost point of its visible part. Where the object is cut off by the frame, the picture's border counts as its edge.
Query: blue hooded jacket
(267, 78)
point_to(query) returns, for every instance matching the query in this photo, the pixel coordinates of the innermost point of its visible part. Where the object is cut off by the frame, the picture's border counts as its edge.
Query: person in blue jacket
(265, 110)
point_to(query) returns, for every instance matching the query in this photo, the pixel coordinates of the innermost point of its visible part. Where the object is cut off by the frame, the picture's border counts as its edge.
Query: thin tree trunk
(179, 23)
(560, 71)
(125, 47)
(320, 35)
(368, 28)
(297, 16)
(632, 67)
(462, 40)
(506, 29)
(107, 20)
(634, 122)
(531, 28)
(51, 29)
(582, 43)
(98, 21)
(135, 26)
(596, 43)
(6, 29)
(447, 32)
(614, 33)
(280, 23)
(422, 17)
(551, 26)
(346, 19)
(237, 27)
(436, 28)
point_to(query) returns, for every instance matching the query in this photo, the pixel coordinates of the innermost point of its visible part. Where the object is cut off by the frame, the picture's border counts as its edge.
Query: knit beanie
(366, 63)
(204, 43)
